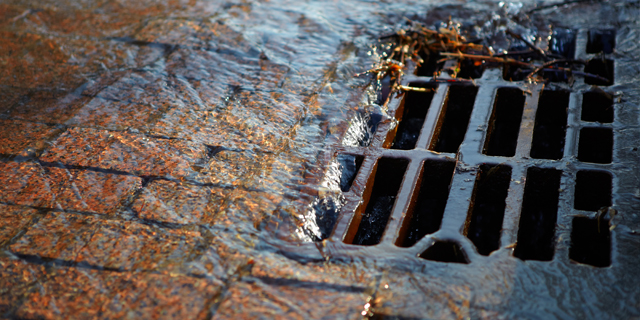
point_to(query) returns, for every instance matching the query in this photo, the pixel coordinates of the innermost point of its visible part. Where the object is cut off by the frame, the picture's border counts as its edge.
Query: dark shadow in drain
(445, 252)
(349, 166)
(601, 41)
(386, 184)
(596, 145)
(601, 67)
(591, 242)
(504, 125)
(414, 111)
(550, 126)
(593, 190)
(424, 215)
(454, 118)
(597, 107)
(430, 64)
(536, 233)
(484, 220)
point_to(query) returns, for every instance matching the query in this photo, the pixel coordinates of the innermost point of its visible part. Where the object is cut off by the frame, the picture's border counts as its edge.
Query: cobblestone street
(155, 155)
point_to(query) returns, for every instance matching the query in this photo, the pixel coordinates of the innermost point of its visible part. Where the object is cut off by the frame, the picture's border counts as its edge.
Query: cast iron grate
(497, 165)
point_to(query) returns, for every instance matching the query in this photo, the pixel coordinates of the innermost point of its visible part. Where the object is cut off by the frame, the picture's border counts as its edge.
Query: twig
(527, 42)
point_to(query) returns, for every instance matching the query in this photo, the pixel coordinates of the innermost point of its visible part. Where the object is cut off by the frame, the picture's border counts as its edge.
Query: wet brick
(244, 211)
(33, 60)
(290, 300)
(13, 219)
(180, 203)
(127, 152)
(129, 245)
(48, 107)
(57, 236)
(23, 138)
(247, 169)
(116, 115)
(16, 278)
(155, 296)
(18, 176)
(70, 293)
(78, 190)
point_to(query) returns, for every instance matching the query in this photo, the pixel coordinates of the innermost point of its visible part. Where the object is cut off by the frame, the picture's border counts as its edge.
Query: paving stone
(34, 60)
(48, 107)
(56, 188)
(155, 296)
(10, 96)
(247, 169)
(57, 236)
(13, 219)
(244, 211)
(70, 293)
(116, 115)
(22, 138)
(16, 176)
(133, 246)
(16, 278)
(257, 300)
(127, 152)
(95, 192)
(171, 202)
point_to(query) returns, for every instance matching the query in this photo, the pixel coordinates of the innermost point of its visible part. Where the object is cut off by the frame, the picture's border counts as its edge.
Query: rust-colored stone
(171, 202)
(16, 278)
(24, 138)
(13, 219)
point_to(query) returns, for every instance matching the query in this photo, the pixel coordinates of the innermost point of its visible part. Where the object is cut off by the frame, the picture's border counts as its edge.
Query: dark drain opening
(596, 145)
(454, 118)
(593, 190)
(442, 251)
(601, 41)
(471, 69)
(597, 107)
(504, 125)
(550, 126)
(430, 64)
(424, 215)
(591, 242)
(414, 111)
(385, 186)
(484, 221)
(602, 68)
(536, 233)
(563, 42)
(349, 165)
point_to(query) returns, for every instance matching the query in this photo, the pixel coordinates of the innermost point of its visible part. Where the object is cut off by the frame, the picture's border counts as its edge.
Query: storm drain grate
(468, 170)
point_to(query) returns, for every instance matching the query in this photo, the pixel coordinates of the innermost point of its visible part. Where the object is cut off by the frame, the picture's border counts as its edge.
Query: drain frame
(468, 158)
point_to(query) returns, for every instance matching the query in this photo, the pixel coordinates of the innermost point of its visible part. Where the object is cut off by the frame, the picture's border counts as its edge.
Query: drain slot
(550, 126)
(602, 68)
(484, 221)
(591, 242)
(504, 125)
(536, 233)
(424, 216)
(601, 41)
(454, 118)
(349, 165)
(415, 107)
(471, 69)
(597, 107)
(593, 190)
(596, 145)
(442, 251)
(386, 184)
(430, 65)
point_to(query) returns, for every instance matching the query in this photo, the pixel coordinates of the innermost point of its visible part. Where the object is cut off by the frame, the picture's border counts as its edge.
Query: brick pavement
(144, 150)
(151, 153)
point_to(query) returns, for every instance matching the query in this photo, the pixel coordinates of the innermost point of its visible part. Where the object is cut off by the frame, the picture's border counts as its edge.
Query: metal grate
(498, 165)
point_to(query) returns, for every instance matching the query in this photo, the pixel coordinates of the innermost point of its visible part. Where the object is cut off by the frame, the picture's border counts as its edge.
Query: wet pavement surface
(169, 159)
